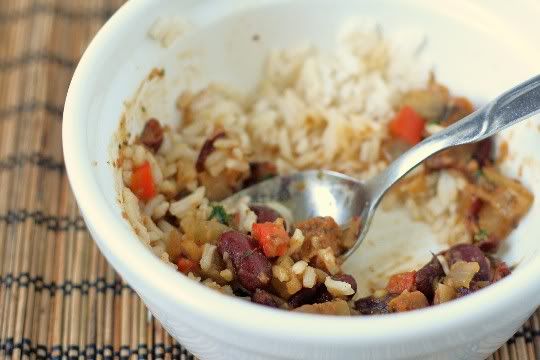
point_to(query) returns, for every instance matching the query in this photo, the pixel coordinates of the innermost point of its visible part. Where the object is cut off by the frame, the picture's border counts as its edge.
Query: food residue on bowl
(167, 29)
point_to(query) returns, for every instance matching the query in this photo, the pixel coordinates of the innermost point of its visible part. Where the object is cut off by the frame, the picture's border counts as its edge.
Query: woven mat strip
(58, 296)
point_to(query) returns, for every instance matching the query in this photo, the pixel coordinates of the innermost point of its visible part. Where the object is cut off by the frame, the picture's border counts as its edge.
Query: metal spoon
(327, 193)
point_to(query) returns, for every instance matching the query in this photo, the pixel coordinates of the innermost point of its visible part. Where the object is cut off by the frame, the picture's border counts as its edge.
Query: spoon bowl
(311, 193)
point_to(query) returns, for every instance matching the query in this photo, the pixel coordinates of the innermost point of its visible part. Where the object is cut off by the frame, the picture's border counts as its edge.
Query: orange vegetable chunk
(272, 237)
(142, 183)
(408, 126)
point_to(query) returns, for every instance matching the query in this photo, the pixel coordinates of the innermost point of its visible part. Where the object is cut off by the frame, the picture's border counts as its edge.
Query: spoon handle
(511, 107)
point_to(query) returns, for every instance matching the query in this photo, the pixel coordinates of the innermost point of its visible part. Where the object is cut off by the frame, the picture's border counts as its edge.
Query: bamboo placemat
(59, 298)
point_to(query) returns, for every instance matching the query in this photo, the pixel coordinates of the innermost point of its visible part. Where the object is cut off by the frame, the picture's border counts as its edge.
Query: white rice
(310, 277)
(299, 267)
(297, 239)
(180, 207)
(338, 288)
(226, 274)
(280, 273)
(329, 260)
(207, 256)
(246, 216)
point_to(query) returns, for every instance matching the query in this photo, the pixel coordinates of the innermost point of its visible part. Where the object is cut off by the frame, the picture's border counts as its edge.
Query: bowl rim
(163, 281)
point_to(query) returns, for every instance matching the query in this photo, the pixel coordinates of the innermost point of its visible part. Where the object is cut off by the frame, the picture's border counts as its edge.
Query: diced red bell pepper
(142, 183)
(272, 237)
(407, 125)
(186, 265)
(401, 282)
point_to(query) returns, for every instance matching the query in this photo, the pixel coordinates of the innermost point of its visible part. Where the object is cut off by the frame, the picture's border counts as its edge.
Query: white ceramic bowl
(479, 48)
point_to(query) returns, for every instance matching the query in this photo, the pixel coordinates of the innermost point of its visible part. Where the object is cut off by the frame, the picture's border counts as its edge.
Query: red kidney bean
(207, 149)
(323, 296)
(252, 268)
(152, 135)
(460, 292)
(473, 287)
(263, 297)
(372, 305)
(473, 210)
(491, 245)
(484, 152)
(427, 275)
(306, 296)
(260, 171)
(264, 213)
(470, 253)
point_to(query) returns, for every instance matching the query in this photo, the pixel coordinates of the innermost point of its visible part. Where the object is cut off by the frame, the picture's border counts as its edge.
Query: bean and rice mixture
(353, 111)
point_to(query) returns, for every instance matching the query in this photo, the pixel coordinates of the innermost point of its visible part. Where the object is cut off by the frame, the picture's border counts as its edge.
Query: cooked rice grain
(280, 273)
(310, 277)
(207, 256)
(299, 267)
(180, 207)
(338, 288)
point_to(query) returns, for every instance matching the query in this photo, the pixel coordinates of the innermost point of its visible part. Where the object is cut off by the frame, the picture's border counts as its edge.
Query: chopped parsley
(143, 108)
(478, 174)
(481, 235)
(219, 213)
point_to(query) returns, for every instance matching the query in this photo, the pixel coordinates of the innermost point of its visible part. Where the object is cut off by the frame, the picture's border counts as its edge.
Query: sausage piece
(320, 233)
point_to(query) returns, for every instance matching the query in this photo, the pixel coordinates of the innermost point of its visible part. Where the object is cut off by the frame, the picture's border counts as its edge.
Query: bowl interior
(475, 52)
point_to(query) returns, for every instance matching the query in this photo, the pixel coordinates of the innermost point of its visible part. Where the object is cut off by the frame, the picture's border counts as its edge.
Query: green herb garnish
(219, 213)
(481, 235)
(434, 122)
(479, 173)
(143, 108)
